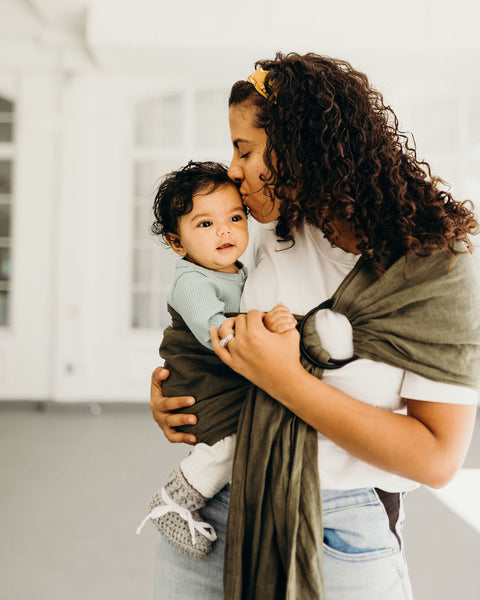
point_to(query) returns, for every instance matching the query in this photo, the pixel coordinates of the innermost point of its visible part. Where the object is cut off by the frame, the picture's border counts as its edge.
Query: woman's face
(247, 163)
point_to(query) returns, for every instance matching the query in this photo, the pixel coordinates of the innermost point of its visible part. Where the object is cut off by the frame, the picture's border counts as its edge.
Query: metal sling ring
(332, 362)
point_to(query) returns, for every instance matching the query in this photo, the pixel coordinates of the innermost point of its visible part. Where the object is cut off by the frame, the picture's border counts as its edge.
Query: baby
(199, 213)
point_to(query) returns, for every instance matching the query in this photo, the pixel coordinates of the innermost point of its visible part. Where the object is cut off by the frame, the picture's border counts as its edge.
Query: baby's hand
(279, 319)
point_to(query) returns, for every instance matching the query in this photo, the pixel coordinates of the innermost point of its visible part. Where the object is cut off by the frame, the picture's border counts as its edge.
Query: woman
(319, 160)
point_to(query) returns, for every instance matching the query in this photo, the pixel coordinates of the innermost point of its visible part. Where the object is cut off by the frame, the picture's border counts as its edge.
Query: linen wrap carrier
(422, 315)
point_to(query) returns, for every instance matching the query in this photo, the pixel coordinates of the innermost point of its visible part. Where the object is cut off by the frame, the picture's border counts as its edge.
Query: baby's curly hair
(334, 151)
(174, 196)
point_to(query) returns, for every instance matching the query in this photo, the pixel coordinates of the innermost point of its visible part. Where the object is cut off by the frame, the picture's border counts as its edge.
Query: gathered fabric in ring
(171, 506)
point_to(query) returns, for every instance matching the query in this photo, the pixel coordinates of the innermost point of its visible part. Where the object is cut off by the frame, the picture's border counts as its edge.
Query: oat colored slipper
(174, 511)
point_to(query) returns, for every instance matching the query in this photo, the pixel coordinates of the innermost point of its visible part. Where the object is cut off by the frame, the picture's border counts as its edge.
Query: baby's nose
(224, 229)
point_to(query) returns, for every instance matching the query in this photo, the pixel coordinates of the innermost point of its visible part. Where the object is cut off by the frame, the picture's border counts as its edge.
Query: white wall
(76, 81)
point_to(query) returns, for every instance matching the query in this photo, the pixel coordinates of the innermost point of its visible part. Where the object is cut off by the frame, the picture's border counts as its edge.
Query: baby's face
(215, 233)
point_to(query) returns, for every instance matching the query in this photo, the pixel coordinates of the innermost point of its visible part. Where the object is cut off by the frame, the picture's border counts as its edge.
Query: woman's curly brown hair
(334, 152)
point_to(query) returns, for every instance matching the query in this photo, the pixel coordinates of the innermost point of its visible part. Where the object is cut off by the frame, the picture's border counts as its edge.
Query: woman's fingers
(220, 350)
(162, 407)
(254, 320)
(179, 419)
(175, 402)
(227, 328)
(177, 437)
(222, 338)
(160, 374)
(258, 354)
(169, 421)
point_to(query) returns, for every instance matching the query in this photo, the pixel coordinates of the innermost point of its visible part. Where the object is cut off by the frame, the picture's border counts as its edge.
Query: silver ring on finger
(227, 339)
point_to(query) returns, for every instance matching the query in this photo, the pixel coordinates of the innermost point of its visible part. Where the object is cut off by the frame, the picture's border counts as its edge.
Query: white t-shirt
(302, 276)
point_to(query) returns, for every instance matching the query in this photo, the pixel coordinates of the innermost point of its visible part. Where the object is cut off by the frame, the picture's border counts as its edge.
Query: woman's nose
(234, 172)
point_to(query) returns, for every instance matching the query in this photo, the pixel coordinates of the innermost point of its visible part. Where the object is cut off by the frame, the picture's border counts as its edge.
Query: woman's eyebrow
(239, 141)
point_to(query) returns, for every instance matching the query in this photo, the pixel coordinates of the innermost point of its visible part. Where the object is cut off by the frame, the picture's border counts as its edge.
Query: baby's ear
(174, 242)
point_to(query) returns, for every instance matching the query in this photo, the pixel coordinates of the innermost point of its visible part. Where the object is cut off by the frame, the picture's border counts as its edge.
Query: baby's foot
(174, 511)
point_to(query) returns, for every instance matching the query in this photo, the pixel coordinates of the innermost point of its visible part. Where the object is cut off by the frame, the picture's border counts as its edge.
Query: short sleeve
(416, 387)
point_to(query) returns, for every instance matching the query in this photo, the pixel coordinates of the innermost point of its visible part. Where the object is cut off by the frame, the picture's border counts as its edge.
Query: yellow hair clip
(257, 79)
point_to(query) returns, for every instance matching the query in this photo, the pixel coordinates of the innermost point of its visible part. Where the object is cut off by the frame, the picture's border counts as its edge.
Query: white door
(119, 139)
(28, 130)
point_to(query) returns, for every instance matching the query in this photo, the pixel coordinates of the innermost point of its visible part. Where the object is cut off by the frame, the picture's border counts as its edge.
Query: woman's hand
(269, 360)
(226, 327)
(438, 432)
(162, 408)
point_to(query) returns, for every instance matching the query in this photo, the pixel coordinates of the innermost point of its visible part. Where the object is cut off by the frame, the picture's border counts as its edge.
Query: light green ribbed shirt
(202, 296)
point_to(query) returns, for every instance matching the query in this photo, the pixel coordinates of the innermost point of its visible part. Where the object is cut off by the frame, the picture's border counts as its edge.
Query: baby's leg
(208, 469)
(174, 509)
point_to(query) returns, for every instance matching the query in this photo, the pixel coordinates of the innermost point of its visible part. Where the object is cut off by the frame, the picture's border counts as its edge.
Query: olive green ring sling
(422, 315)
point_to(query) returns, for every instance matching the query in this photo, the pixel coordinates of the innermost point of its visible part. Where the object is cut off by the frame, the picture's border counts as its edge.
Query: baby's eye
(205, 224)
(236, 218)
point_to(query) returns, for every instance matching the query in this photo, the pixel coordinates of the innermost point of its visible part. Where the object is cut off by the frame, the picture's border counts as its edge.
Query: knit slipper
(174, 511)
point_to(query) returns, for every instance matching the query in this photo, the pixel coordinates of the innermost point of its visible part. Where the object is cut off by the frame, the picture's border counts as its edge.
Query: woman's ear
(174, 242)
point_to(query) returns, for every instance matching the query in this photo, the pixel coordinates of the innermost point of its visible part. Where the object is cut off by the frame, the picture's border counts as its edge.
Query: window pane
(4, 264)
(163, 268)
(159, 131)
(159, 122)
(4, 307)
(148, 176)
(144, 182)
(142, 259)
(6, 135)
(211, 119)
(6, 106)
(6, 131)
(141, 310)
(4, 220)
(6, 119)
(5, 176)
(143, 220)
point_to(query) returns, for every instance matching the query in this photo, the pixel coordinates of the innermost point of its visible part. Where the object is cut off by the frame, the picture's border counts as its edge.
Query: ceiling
(225, 38)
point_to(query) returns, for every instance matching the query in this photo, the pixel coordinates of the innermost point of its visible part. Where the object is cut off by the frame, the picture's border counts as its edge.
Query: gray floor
(73, 487)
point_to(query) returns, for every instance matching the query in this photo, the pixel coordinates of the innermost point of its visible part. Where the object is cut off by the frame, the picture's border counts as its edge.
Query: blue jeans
(362, 558)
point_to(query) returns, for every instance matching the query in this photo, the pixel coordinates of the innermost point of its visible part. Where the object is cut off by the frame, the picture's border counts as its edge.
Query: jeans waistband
(343, 499)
